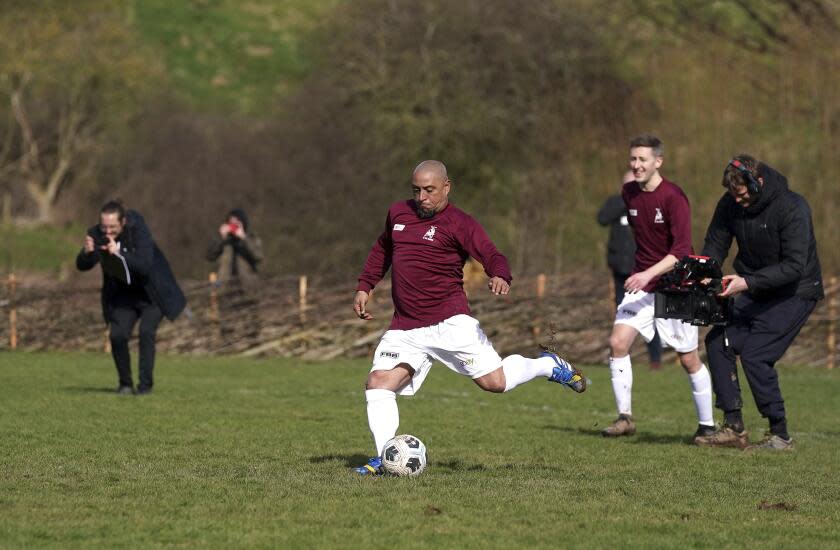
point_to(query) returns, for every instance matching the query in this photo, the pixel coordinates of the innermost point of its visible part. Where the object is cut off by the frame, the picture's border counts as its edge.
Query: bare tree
(45, 170)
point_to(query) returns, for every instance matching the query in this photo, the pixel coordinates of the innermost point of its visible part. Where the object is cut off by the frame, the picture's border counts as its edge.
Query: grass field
(231, 453)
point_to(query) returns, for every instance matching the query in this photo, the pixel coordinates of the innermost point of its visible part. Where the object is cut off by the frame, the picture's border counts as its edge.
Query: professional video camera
(680, 294)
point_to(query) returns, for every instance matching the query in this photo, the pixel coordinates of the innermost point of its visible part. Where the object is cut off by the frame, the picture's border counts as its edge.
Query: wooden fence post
(13, 335)
(302, 286)
(214, 297)
(831, 340)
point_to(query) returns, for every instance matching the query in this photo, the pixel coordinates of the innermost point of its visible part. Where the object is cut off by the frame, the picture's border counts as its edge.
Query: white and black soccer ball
(404, 455)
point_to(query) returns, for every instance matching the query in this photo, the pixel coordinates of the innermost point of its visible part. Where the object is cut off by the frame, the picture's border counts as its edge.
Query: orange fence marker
(214, 297)
(541, 286)
(302, 286)
(831, 339)
(13, 336)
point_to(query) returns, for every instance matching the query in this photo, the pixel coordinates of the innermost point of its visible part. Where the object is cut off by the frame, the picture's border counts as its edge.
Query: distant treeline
(530, 105)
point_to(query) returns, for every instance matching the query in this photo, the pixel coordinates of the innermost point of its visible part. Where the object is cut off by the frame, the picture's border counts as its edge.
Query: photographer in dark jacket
(137, 283)
(621, 256)
(237, 248)
(777, 286)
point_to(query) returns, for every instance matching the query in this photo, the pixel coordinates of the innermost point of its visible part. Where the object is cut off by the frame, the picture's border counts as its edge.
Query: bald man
(426, 242)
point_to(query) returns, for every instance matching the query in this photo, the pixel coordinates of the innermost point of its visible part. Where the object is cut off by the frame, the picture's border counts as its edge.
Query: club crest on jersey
(430, 234)
(659, 217)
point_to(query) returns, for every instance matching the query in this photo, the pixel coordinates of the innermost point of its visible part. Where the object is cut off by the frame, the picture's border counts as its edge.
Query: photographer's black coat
(777, 251)
(148, 267)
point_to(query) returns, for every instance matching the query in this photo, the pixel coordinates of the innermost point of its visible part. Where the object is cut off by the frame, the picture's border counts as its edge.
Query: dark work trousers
(760, 333)
(654, 347)
(125, 310)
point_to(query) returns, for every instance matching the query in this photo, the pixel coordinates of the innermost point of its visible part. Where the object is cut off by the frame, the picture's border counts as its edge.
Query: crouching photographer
(137, 284)
(775, 289)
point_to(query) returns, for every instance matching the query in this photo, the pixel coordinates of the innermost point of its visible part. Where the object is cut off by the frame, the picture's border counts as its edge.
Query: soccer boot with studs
(372, 468)
(564, 373)
(623, 425)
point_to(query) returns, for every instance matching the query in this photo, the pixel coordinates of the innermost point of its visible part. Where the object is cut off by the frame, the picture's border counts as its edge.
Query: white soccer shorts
(458, 342)
(636, 310)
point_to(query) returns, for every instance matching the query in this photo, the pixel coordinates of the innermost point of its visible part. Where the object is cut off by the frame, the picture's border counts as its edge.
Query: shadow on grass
(595, 431)
(662, 439)
(89, 389)
(351, 461)
(639, 438)
(459, 466)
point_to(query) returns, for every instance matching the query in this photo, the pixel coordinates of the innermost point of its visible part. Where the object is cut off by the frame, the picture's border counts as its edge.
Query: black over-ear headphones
(753, 186)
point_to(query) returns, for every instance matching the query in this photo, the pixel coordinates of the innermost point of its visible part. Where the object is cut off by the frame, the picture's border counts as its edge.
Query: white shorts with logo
(457, 342)
(636, 310)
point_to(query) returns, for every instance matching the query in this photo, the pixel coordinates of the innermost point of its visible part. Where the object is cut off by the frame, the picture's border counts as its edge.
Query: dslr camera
(681, 294)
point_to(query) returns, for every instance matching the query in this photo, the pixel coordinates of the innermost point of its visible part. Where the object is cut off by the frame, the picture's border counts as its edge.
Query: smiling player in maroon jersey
(660, 216)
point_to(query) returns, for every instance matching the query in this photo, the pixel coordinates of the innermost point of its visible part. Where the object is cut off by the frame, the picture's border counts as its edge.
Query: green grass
(44, 249)
(230, 453)
(227, 53)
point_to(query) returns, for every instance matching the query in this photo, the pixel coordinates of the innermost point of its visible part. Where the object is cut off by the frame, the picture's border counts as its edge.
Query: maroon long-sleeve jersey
(426, 258)
(661, 221)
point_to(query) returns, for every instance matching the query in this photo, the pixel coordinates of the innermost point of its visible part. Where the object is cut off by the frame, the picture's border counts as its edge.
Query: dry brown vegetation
(574, 316)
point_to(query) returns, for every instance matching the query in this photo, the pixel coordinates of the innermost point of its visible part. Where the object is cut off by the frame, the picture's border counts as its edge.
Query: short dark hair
(732, 177)
(114, 206)
(649, 140)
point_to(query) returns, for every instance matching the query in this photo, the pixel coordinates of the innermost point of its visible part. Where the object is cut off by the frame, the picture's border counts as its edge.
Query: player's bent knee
(392, 379)
(619, 347)
(691, 361)
(494, 382)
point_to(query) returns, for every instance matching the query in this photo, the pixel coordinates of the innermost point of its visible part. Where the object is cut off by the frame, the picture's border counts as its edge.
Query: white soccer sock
(701, 390)
(519, 370)
(383, 416)
(621, 376)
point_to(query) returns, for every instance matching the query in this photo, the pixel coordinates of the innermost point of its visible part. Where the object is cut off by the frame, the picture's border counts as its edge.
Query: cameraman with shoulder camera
(137, 284)
(777, 286)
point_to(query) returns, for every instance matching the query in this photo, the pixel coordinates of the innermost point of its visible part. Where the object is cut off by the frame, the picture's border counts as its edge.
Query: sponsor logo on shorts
(467, 362)
(626, 311)
(389, 354)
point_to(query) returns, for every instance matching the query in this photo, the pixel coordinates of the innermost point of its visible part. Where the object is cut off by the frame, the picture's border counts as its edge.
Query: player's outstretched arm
(360, 305)
(498, 286)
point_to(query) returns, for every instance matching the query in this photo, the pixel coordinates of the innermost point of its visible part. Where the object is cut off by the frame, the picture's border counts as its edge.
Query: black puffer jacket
(777, 251)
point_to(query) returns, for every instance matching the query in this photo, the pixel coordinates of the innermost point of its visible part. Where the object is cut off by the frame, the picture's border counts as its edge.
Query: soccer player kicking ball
(426, 243)
(659, 213)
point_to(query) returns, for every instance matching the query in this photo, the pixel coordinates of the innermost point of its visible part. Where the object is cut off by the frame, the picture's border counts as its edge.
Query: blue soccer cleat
(564, 373)
(372, 468)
